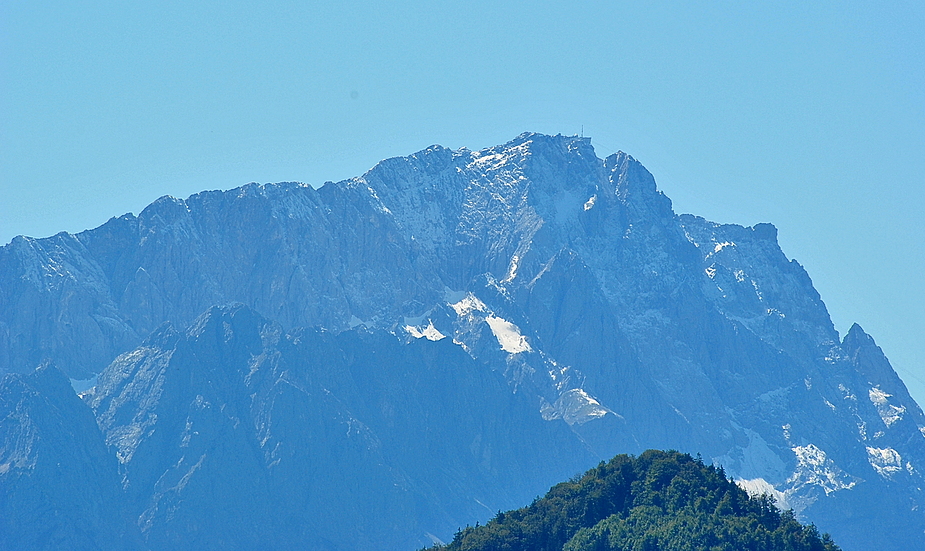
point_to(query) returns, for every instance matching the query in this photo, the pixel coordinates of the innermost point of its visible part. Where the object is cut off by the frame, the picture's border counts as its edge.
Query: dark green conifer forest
(659, 501)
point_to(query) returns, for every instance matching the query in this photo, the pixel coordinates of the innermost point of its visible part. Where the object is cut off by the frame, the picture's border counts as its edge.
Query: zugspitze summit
(378, 362)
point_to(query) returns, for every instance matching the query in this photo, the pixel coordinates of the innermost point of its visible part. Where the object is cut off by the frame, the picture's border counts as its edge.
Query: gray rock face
(569, 277)
(235, 435)
(59, 485)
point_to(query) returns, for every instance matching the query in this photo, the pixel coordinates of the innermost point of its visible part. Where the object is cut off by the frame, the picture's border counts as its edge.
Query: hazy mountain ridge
(568, 274)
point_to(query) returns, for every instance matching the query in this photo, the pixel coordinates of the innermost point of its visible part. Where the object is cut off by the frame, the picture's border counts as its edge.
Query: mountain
(578, 314)
(658, 500)
(290, 439)
(59, 485)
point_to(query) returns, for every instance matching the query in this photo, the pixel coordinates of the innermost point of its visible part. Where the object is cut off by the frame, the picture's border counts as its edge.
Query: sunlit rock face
(521, 312)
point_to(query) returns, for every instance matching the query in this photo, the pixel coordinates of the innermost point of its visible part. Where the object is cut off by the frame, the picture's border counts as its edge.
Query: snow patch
(428, 332)
(470, 303)
(590, 202)
(508, 334)
(886, 461)
(574, 406)
(472, 312)
(815, 469)
(721, 246)
(512, 269)
(756, 487)
(889, 413)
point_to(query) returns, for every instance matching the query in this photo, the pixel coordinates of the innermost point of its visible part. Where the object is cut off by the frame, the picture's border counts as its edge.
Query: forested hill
(665, 501)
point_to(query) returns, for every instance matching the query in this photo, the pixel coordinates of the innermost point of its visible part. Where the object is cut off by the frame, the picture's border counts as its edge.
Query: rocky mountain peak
(165, 211)
(857, 338)
(518, 311)
(635, 187)
(765, 231)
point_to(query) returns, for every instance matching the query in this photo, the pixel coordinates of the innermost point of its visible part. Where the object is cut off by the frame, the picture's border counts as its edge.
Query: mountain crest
(523, 297)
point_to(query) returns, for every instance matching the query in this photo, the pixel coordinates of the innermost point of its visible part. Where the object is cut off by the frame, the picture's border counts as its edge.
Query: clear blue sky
(807, 115)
